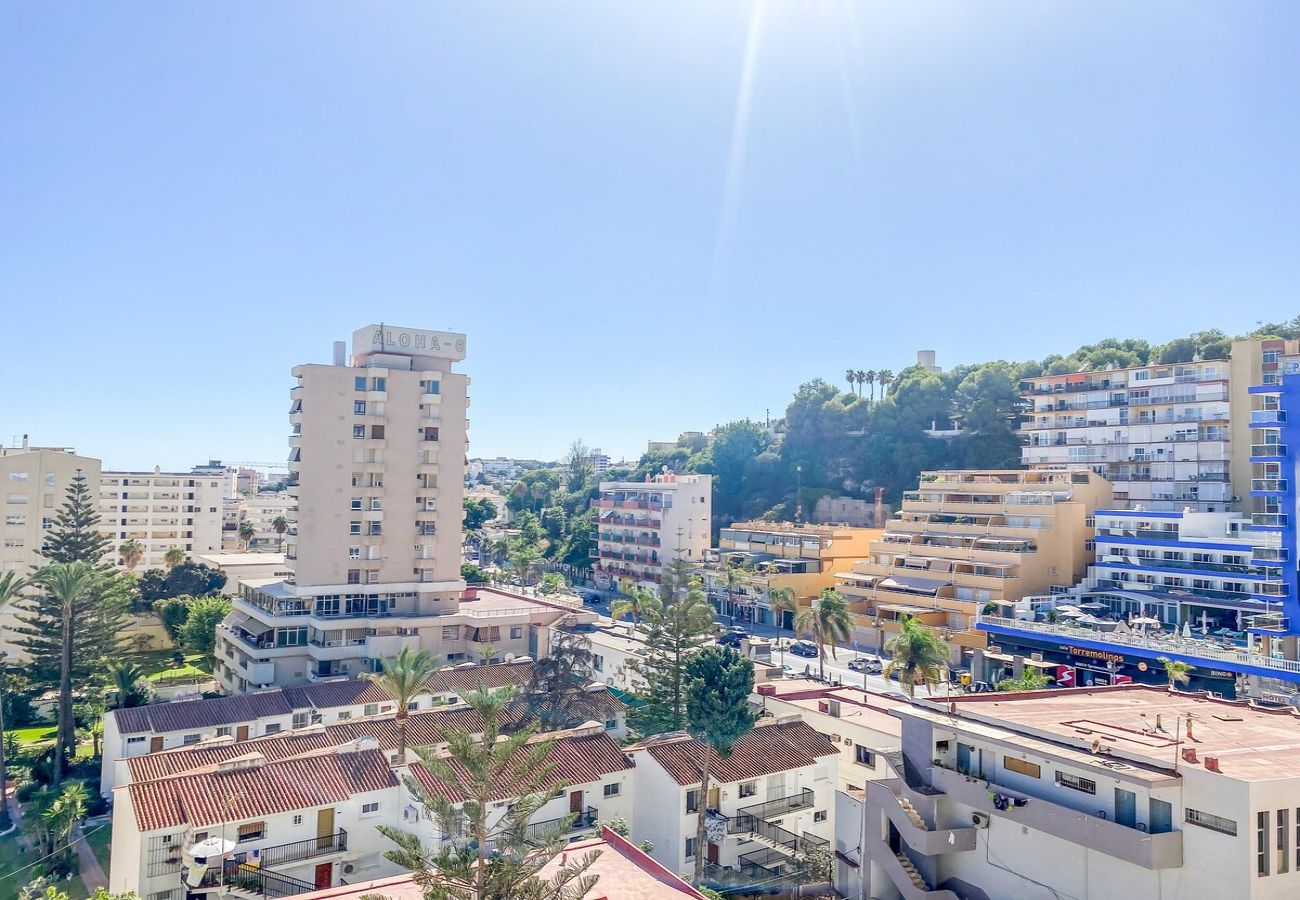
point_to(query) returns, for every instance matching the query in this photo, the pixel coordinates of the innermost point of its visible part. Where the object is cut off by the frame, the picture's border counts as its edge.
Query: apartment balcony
(1132, 845)
(781, 806)
(297, 851)
(915, 821)
(1267, 418)
(1269, 520)
(1268, 452)
(1260, 487)
(539, 833)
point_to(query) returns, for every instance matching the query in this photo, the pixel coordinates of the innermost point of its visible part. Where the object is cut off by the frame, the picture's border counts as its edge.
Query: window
(611, 724)
(1283, 842)
(379, 384)
(354, 528)
(597, 662)
(516, 631)
(354, 553)
(274, 727)
(344, 715)
(300, 719)
(864, 757)
(1210, 821)
(748, 789)
(376, 528)
(1033, 770)
(377, 432)
(135, 740)
(18, 476)
(223, 731)
(1261, 843)
(371, 709)
(376, 503)
(1076, 783)
(359, 431)
(819, 816)
(613, 790)
(692, 802)
(297, 820)
(16, 498)
(356, 503)
(190, 739)
(430, 434)
(253, 831)
(359, 407)
(359, 382)
(354, 576)
(370, 809)
(690, 848)
(17, 520)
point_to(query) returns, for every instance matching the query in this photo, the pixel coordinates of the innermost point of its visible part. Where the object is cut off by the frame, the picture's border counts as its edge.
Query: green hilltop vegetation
(847, 442)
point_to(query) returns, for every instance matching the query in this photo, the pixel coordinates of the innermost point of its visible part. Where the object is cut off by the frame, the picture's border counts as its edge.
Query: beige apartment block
(753, 558)
(163, 510)
(261, 510)
(964, 539)
(377, 462)
(35, 482)
(642, 526)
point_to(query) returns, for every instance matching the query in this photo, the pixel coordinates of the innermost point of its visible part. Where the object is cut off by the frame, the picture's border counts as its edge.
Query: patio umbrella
(1144, 621)
(1187, 629)
(213, 846)
(1066, 609)
(1070, 612)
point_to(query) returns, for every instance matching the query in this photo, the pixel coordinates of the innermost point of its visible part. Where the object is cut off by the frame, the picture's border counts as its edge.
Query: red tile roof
(204, 798)
(423, 729)
(579, 757)
(468, 677)
(769, 748)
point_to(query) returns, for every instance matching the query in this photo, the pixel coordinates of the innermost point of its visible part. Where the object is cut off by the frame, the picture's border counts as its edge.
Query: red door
(324, 875)
(711, 852)
(575, 802)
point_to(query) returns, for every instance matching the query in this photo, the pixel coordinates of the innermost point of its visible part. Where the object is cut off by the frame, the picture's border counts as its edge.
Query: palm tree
(67, 584)
(871, 380)
(919, 656)
(247, 532)
(861, 377)
(131, 551)
(62, 815)
(1176, 671)
(782, 600)
(638, 600)
(885, 378)
(124, 674)
(851, 376)
(405, 677)
(524, 560)
(173, 557)
(280, 525)
(734, 577)
(11, 585)
(828, 621)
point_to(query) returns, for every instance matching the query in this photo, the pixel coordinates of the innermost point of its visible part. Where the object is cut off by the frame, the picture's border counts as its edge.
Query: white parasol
(210, 847)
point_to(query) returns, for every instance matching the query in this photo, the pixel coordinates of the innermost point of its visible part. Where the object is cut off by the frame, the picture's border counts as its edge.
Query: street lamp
(798, 489)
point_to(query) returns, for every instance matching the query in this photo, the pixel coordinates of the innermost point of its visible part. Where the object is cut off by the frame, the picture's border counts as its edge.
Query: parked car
(804, 648)
(732, 636)
(868, 664)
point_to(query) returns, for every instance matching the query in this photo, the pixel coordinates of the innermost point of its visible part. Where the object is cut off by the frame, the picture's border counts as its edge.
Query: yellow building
(766, 555)
(968, 538)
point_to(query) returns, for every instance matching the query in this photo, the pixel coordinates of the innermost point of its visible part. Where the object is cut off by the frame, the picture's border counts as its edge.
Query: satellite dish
(1096, 745)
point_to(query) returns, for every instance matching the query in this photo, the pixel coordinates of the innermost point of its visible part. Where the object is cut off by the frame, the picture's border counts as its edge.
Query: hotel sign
(1095, 654)
(411, 341)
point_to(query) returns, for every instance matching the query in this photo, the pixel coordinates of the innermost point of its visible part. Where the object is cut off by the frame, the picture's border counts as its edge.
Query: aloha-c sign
(392, 339)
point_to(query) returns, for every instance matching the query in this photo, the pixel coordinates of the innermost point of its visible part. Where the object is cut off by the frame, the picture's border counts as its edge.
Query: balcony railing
(767, 862)
(282, 854)
(539, 832)
(779, 807)
(1269, 520)
(1268, 450)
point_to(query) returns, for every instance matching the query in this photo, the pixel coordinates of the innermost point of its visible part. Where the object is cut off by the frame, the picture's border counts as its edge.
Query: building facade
(967, 539)
(377, 460)
(641, 527)
(165, 510)
(753, 558)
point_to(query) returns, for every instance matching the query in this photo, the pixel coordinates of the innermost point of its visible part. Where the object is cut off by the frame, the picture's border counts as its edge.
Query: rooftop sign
(410, 341)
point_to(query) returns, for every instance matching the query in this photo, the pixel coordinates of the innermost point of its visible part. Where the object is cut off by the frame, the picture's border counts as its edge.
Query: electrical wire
(84, 835)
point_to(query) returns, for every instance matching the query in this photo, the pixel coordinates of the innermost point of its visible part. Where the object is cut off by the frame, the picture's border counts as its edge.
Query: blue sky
(649, 217)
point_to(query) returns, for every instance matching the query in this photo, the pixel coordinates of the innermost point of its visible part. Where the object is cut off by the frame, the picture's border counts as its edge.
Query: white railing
(1180, 645)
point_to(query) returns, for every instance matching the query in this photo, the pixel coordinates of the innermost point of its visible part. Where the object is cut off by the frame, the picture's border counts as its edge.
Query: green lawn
(99, 841)
(157, 665)
(34, 734)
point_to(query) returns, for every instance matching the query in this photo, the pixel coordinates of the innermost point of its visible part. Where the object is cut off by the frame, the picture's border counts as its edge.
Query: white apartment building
(294, 825)
(34, 481)
(1160, 434)
(771, 799)
(377, 460)
(261, 510)
(163, 510)
(1125, 791)
(641, 527)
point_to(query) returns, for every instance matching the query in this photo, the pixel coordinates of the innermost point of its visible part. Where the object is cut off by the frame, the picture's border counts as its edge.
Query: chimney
(1189, 755)
(340, 353)
(1212, 764)
(24, 442)
(833, 707)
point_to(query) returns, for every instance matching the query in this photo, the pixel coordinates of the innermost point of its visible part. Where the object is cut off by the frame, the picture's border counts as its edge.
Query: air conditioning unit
(980, 820)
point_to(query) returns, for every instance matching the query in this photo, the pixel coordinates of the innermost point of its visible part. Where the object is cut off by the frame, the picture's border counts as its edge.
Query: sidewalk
(92, 873)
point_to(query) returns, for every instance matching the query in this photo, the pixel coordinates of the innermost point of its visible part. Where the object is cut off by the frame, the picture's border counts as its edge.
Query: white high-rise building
(377, 464)
(163, 510)
(642, 526)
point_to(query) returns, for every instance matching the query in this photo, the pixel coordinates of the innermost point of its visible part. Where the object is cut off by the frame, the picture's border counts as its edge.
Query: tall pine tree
(674, 627)
(69, 627)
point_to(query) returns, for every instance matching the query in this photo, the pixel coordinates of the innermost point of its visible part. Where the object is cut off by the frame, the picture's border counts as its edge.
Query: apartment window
(354, 553)
(1261, 843)
(1076, 783)
(690, 848)
(516, 631)
(613, 790)
(354, 528)
(297, 820)
(819, 816)
(359, 407)
(692, 801)
(253, 831)
(359, 382)
(597, 662)
(432, 387)
(46, 523)
(1210, 821)
(354, 576)
(18, 520)
(344, 715)
(49, 481)
(17, 476)
(190, 739)
(274, 727)
(135, 740)
(371, 709)
(370, 809)
(1033, 770)
(430, 433)
(359, 431)
(1283, 842)
(16, 499)
(300, 719)
(377, 432)
(13, 544)
(748, 789)
(356, 503)
(864, 757)
(451, 632)
(376, 528)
